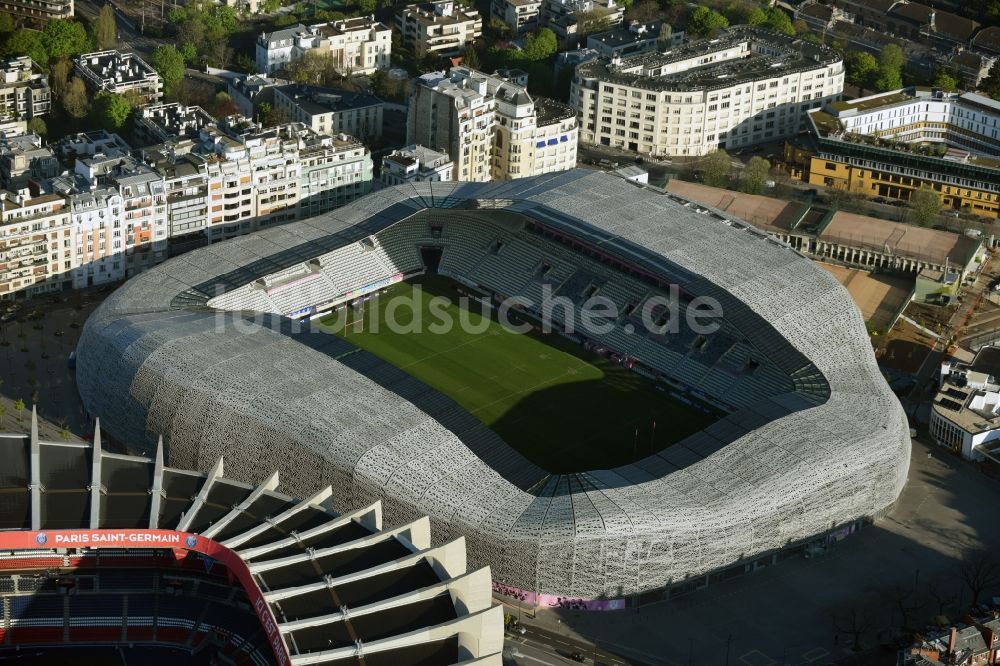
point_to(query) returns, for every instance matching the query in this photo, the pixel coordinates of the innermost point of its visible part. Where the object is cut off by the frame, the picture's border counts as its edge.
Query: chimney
(952, 639)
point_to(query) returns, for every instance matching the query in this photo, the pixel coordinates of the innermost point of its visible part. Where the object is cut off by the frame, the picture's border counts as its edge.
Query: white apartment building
(358, 45)
(439, 27)
(416, 164)
(99, 237)
(563, 17)
(331, 110)
(120, 73)
(490, 127)
(334, 171)
(520, 15)
(746, 87)
(962, 120)
(36, 244)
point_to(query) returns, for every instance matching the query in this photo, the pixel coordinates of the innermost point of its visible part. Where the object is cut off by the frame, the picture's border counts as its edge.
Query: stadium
(697, 456)
(109, 558)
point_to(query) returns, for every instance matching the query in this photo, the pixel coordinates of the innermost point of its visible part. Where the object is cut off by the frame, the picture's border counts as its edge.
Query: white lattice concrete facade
(813, 439)
(750, 86)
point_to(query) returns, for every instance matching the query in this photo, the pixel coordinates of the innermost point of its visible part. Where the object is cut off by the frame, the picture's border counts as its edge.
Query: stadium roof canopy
(830, 448)
(335, 586)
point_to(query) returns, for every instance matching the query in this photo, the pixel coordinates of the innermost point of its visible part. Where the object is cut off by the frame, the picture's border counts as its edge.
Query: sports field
(562, 407)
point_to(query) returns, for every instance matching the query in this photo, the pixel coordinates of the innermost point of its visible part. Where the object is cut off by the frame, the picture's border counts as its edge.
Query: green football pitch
(565, 409)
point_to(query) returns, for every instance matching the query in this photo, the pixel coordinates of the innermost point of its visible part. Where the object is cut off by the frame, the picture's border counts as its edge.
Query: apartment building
(99, 236)
(439, 28)
(331, 110)
(491, 128)
(24, 89)
(416, 164)
(335, 170)
(748, 86)
(563, 17)
(120, 73)
(157, 123)
(36, 243)
(635, 38)
(520, 15)
(358, 45)
(37, 12)
(23, 160)
(888, 145)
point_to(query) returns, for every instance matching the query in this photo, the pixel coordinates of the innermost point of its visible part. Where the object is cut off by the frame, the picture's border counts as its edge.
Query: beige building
(24, 89)
(520, 15)
(357, 45)
(749, 86)
(492, 128)
(331, 110)
(36, 243)
(416, 164)
(439, 27)
(37, 12)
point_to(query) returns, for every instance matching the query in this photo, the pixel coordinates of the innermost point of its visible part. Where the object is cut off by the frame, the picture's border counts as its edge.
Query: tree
(716, 168)
(890, 68)
(925, 205)
(540, 45)
(592, 22)
(74, 100)
(367, 6)
(855, 621)
(223, 105)
(37, 126)
(59, 75)
(755, 17)
(861, 67)
(110, 111)
(271, 6)
(991, 84)
(645, 11)
(755, 175)
(105, 29)
(497, 29)
(6, 23)
(19, 407)
(65, 37)
(979, 570)
(705, 21)
(169, 64)
(945, 81)
(29, 43)
(470, 58)
(779, 21)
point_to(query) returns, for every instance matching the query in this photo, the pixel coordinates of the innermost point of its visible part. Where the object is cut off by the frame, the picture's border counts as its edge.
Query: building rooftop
(165, 121)
(115, 67)
(765, 213)
(905, 240)
(443, 12)
(946, 24)
(988, 39)
(637, 32)
(417, 154)
(316, 100)
(784, 53)
(550, 111)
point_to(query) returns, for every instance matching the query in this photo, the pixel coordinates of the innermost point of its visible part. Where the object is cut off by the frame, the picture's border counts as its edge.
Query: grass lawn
(562, 407)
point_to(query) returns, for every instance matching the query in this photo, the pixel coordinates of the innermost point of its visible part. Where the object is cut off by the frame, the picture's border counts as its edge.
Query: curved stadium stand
(813, 443)
(100, 549)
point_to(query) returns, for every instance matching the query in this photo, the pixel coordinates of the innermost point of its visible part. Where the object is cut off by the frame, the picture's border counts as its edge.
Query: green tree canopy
(862, 68)
(890, 68)
(169, 64)
(470, 58)
(37, 126)
(716, 168)
(105, 29)
(755, 175)
(705, 21)
(991, 84)
(65, 37)
(6, 23)
(925, 205)
(110, 111)
(945, 81)
(779, 21)
(367, 6)
(756, 17)
(540, 45)
(29, 43)
(644, 11)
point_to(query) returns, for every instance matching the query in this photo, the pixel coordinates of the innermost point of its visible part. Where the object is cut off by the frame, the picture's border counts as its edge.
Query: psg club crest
(41, 538)
(191, 541)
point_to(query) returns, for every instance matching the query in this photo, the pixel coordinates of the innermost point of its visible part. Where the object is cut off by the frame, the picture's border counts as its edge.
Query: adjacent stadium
(108, 558)
(772, 430)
